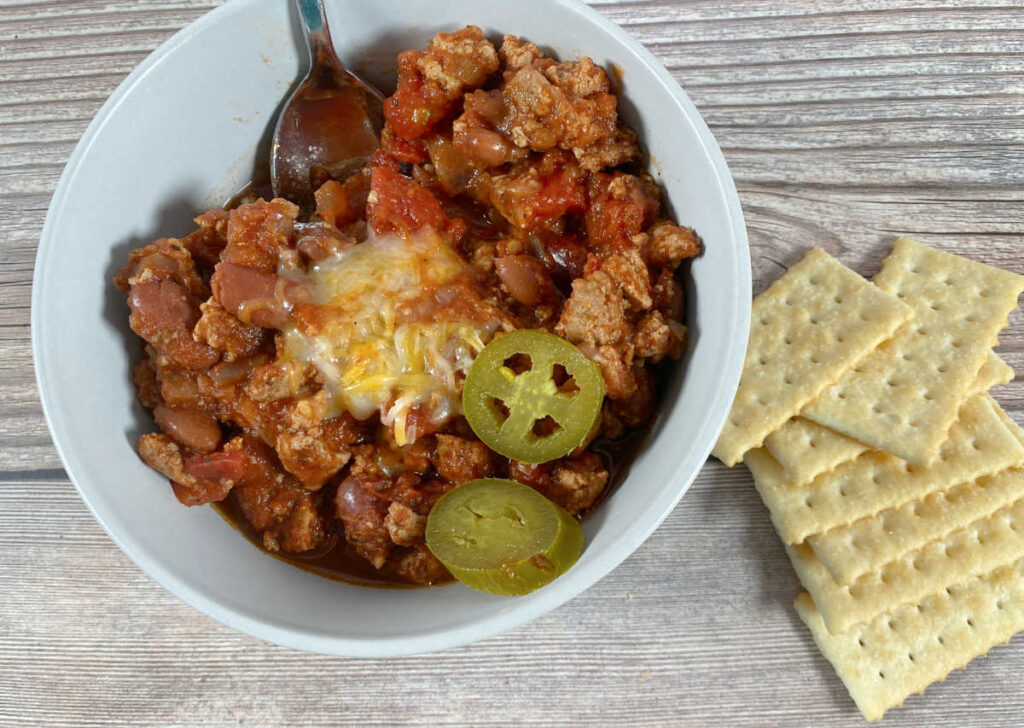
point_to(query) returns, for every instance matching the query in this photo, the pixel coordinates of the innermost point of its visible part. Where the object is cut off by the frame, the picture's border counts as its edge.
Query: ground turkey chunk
(593, 319)
(669, 244)
(594, 312)
(362, 507)
(405, 526)
(459, 61)
(274, 502)
(419, 566)
(226, 333)
(654, 337)
(579, 481)
(567, 105)
(573, 483)
(459, 460)
(627, 269)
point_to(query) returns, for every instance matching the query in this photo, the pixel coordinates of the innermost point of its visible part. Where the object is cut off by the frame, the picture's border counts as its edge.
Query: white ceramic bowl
(179, 135)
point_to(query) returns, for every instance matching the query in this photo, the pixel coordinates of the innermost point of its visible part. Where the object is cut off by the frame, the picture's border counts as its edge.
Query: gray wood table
(844, 123)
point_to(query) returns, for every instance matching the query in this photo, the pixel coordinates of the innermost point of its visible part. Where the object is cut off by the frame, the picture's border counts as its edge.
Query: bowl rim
(567, 586)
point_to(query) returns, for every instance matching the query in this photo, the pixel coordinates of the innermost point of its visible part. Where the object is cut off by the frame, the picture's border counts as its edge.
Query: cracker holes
(922, 331)
(814, 320)
(842, 492)
(908, 357)
(984, 293)
(914, 424)
(951, 282)
(788, 381)
(812, 443)
(910, 656)
(763, 322)
(814, 359)
(970, 622)
(971, 319)
(928, 396)
(881, 674)
(975, 445)
(860, 641)
(877, 409)
(840, 338)
(838, 299)
(941, 640)
(916, 510)
(936, 307)
(891, 383)
(956, 343)
(788, 341)
(942, 368)
(814, 281)
(916, 563)
(762, 361)
(1000, 605)
(891, 624)
(789, 302)
(809, 502)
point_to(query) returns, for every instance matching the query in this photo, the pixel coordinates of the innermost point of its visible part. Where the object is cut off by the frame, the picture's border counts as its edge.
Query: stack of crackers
(892, 476)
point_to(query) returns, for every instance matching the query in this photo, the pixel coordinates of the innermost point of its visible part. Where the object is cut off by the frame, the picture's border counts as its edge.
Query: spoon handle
(314, 22)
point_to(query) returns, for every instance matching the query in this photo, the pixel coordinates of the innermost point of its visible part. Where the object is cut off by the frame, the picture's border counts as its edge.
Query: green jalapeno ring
(503, 407)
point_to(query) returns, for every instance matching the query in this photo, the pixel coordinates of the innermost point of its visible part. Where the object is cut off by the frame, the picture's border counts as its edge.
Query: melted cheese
(379, 344)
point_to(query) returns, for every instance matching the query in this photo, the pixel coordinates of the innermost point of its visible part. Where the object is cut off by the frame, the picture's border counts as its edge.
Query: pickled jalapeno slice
(502, 537)
(529, 415)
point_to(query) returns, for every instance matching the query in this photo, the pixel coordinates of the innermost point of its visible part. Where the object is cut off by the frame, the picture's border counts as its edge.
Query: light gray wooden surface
(844, 124)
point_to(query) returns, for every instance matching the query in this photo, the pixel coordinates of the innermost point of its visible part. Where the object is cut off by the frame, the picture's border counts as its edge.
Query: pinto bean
(192, 427)
(525, 277)
(254, 297)
(164, 313)
(217, 466)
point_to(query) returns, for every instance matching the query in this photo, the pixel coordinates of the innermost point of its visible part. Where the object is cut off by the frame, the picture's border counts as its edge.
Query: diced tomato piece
(612, 219)
(417, 104)
(342, 203)
(563, 192)
(401, 205)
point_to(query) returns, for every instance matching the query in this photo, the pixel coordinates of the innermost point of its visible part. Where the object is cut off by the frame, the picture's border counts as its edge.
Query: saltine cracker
(813, 324)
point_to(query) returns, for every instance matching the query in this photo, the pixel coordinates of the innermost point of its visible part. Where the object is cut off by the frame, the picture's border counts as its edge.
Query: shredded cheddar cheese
(380, 345)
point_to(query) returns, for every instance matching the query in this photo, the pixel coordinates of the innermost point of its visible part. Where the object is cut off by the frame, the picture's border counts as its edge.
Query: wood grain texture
(844, 124)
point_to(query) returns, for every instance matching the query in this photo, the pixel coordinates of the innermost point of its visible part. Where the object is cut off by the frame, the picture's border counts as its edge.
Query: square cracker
(979, 444)
(867, 544)
(896, 655)
(979, 548)
(903, 398)
(805, 449)
(814, 323)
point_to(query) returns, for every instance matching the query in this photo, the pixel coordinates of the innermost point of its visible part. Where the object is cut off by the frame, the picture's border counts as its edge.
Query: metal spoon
(331, 123)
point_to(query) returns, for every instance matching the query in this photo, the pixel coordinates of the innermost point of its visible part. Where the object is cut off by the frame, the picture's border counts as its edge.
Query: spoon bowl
(329, 126)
